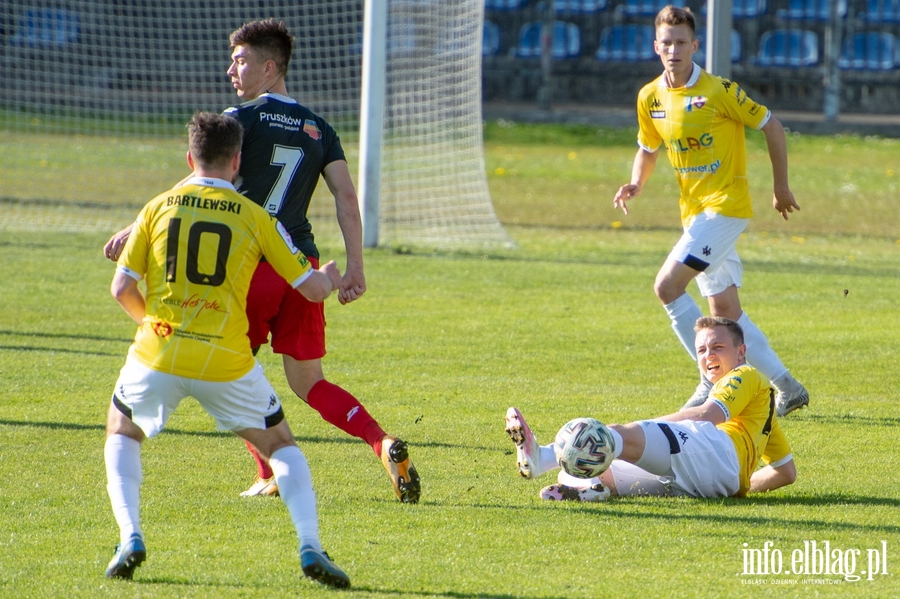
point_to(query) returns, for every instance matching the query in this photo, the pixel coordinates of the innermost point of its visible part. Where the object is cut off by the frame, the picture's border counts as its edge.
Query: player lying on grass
(196, 247)
(711, 450)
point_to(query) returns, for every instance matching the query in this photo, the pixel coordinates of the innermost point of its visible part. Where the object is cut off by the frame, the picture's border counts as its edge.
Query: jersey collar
(279, 97)
(210, 182)
(695, 75)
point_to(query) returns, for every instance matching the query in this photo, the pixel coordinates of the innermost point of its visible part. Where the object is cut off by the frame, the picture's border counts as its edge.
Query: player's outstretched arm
(319, 285)
(768, 478)
(709, 411)
(644, 163)
(337, 177)
(115, 245)
(125, 290)
(783, 199)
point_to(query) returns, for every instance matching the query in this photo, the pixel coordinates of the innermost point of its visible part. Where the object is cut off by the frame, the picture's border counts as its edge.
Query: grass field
(566, 325)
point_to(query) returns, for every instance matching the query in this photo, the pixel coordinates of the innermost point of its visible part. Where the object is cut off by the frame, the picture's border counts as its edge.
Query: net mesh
(95, 94)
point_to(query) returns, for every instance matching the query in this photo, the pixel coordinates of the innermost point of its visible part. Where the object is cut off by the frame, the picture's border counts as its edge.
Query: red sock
(262, 466)
(340, 408)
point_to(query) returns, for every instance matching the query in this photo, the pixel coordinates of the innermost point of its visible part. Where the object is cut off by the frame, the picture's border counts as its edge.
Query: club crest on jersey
(311, 129)
(162, 329)
(697, 102)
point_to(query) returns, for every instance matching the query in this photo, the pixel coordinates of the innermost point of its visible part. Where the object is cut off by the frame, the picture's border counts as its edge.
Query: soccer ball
(584, 447)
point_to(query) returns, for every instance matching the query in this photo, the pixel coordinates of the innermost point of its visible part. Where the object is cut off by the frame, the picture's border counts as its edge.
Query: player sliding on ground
(196, 248)
(711, 450)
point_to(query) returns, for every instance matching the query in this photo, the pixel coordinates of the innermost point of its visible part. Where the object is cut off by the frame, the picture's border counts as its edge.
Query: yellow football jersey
(196, 246)
(702, 127)
(749, 404)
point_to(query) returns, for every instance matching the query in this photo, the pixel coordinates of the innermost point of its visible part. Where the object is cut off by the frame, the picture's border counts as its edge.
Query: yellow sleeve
(648, 136)
(136, 253)
(738, 106)
(279, 250)
(733, 393)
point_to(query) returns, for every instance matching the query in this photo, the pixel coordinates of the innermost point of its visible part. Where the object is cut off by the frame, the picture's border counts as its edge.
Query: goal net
(94, 95)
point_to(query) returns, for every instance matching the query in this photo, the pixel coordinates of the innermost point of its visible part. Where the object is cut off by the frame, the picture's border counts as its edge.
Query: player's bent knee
(119, 421)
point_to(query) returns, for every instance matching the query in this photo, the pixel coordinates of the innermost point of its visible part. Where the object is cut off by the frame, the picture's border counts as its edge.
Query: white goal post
(95, 93)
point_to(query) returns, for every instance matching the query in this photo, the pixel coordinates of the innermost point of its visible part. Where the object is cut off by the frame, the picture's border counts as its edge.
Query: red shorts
(297, 325)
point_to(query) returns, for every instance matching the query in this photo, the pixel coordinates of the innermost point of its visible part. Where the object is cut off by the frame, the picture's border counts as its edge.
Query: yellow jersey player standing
(700, 119)
(710, 450)
(196, 247)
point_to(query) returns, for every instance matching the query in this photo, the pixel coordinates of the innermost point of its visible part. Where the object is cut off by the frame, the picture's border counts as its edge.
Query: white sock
(617, 441)
(683, 313)
(657, 455)
(295, 486)
(124, 476)
(547, 459)
(759, 354)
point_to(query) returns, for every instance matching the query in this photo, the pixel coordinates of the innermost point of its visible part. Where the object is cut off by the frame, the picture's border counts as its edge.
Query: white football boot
(528, 452)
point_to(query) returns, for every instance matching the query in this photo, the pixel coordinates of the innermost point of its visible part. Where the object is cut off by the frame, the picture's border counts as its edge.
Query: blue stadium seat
(700, 55)
(788, 48)
(744, 9)
(871, 51)
(490, 40)
(581, 7)
(810, 10)
(647, 8)
(504, 4)
(881, 11)
(626, 43)
(46, 27)
(566, 41)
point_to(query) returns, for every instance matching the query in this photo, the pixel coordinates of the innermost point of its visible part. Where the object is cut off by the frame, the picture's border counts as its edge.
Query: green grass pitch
(566, 325)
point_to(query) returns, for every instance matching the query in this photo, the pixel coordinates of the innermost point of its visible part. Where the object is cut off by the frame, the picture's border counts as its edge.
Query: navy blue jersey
(286, 148)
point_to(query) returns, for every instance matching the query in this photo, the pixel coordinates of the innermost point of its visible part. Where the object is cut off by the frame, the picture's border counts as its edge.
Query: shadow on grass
(408, 593)
(344, 440)
(650, 259)
(630, 508)
(61, 350)
(65, 336)
(64, 350)
(852, 419)
(157, 580)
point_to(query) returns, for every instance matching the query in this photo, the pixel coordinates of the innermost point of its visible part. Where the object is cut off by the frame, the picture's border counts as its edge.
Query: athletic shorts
(708, 245)
(151, 396)
(703, 463)
(297, 325)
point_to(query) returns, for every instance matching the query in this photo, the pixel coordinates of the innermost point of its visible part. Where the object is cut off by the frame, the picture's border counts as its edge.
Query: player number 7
(289, 160)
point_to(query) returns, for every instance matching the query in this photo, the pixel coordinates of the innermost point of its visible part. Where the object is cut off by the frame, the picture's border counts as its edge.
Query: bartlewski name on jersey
(204, 203)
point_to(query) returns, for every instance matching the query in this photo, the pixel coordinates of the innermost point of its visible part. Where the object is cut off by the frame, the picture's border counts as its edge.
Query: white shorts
(703, 464)
(151, 397)
(708, 245)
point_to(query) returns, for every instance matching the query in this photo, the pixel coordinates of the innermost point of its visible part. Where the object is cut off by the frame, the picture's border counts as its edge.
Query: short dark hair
(214, 139)
(709, 322)
(269, 37)
(673, 15)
